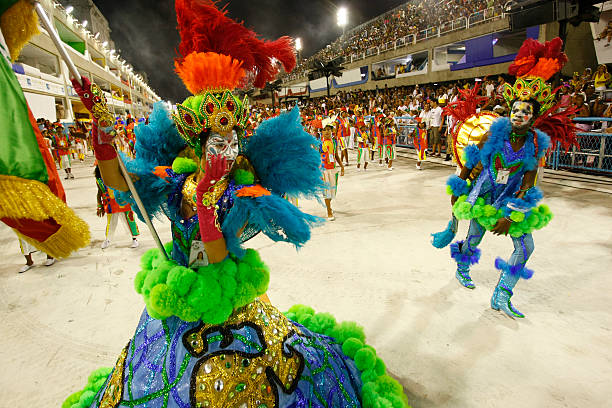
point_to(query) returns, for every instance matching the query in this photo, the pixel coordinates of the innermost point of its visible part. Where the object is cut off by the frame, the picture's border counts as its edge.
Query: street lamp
(69, 9)
(84, 23)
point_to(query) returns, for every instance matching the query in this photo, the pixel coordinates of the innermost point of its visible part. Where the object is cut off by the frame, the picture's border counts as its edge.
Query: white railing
(487, 15)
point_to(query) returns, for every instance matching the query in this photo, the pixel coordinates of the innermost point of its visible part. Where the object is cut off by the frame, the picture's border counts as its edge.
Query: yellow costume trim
(31, 199)
(19, 23)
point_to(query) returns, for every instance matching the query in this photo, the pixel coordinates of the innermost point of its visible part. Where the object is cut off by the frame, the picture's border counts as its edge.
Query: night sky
(145, 31)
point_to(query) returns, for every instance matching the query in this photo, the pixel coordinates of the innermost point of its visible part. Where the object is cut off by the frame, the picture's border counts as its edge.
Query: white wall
(42, 106)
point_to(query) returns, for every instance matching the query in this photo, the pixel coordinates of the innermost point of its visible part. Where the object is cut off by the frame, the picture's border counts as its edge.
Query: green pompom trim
(487, 216)
(210, 294)
(379, 389)
(182, 165)
(85, 397)
(242, 176)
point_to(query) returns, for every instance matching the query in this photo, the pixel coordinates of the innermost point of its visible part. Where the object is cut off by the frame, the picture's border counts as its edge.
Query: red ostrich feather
(558, 126)
(206, 28)
(466, 105)
(535, 59)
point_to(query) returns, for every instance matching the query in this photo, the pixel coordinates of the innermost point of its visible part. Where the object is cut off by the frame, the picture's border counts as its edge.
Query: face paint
(521, 114)
(225, 145)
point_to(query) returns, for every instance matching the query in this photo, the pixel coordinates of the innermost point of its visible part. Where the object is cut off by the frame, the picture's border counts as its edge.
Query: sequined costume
(496, 189)
(205, 338)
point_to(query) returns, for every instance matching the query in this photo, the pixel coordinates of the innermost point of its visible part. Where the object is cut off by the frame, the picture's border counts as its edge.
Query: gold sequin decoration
(233, 380)
(211, 197)
(114, 389)
(189, 189)
(472, 131)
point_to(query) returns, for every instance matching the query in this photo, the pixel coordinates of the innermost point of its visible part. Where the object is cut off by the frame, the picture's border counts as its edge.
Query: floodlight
(342, 16)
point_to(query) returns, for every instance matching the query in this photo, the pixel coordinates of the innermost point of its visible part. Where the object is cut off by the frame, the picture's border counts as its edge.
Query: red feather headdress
(205, 31)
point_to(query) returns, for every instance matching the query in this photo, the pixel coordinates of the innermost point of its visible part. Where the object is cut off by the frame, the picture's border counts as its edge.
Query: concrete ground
(374, 264)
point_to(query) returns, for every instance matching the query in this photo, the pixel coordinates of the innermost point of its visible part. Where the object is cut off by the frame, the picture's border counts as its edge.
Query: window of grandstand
(69, 37)
(36, 62)
(412, 64)
(447, 55)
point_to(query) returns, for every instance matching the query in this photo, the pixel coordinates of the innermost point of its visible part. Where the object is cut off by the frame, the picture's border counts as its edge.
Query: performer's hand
(342, 171)
(502, 227)
(100, 212)
(83, 89)
(216, 168)
(453, 199)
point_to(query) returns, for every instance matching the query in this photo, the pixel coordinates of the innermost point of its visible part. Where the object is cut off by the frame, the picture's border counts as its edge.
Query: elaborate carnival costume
(390, 139)
(33, 201)
(107, 204)
(496, 188)
(420, 142)
(205, 339)
(362, 135)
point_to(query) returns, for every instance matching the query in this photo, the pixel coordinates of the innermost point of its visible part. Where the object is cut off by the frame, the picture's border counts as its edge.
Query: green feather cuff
(487, 216)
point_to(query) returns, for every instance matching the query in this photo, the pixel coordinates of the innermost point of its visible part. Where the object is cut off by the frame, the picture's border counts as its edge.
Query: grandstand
(425, 42)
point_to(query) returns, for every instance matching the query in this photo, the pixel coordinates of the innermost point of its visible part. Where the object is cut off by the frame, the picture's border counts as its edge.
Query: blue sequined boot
(503, 292)
(464, 258)
(463, 275)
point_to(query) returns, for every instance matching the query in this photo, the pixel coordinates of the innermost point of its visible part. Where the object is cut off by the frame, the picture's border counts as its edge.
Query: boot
(464, 260)
(463, 275)
(503, 292)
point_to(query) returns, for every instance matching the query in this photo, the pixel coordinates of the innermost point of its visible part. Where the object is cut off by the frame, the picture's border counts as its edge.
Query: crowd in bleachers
(411, 18)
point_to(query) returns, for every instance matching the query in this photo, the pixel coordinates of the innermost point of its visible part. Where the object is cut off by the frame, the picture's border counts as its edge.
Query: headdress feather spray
(204, 28)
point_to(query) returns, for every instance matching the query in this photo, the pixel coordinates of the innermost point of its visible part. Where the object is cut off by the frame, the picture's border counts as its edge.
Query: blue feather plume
(157, 144)
(274, 216)
(285, 156)
(443, 238)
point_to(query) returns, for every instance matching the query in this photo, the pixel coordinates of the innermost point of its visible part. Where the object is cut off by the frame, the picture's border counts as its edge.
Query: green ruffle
(379, 389)
(85, 397)
(487, 216)
(210, 294)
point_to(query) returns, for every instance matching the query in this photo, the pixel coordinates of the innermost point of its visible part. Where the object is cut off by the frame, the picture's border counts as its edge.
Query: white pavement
(375, 265)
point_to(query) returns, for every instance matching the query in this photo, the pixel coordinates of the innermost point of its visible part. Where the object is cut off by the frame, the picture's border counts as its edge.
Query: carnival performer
(420, 142)
(107, 205)
(363, 145)
(62, 146)
(390, 138)
(205, 338)
(503, 198)
(329, 158)
(374, 135)
(343, 134)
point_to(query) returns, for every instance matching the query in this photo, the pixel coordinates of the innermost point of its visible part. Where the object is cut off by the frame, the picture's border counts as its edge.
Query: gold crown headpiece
(534, 64)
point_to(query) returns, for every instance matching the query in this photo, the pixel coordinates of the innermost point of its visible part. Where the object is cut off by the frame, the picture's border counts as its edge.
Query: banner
(602, 35)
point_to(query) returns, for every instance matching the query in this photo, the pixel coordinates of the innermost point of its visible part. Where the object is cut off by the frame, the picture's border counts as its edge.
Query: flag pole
(46, 23)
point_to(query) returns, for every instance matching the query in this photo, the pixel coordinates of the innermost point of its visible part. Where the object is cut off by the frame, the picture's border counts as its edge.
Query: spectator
(436, 128)
(601, 78)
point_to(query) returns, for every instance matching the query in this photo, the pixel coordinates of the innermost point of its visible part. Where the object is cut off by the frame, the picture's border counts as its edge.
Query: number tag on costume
(331, 157)
(502, 176)
(197, 255)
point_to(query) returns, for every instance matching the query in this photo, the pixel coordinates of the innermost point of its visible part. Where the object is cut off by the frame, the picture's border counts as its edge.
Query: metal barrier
(594, 154)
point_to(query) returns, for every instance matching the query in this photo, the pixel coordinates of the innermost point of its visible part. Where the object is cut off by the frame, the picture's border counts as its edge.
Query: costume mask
(521, 114)
(225, 145)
